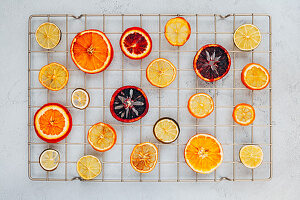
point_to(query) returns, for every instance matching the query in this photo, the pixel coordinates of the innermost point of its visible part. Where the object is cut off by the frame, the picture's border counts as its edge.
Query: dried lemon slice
(88, 167)
(80, 98)
(247, 37)
(251, 156)
(177, 31)
(49, 159)
(47, 35)
(200, 105)
(166, 130)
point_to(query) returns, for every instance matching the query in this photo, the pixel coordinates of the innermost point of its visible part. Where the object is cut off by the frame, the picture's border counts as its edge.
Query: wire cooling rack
(166, 102)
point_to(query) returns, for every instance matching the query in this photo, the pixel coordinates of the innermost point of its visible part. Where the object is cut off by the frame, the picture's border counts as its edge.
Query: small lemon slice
(49, 159)
(88, 167)
(47, 35)
(166, 130)
(251, 156)
(80, 98)
(200, 105)
(243, 114)
(177, 31)
(247, 37)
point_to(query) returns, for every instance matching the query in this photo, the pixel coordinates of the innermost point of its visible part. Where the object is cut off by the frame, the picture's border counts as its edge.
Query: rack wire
(171, 166)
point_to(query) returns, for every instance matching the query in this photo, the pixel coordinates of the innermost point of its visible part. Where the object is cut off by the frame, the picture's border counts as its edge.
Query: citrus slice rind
(91, 51)
(251, 156)
(203, 153)
(102, 137)
(80, 98)
(166, 130)
(144, 157)
(88, 167)
(200, 105)
(177, 31)
(255, 77)
(49, 159)
(247, 37)
(161, 72)
(48, 35)
(243, 114)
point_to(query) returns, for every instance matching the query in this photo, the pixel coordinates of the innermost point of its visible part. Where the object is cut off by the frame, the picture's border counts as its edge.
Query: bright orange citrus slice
(247, 37)
(161, 72)
(255, 77)
(251, 156)
(144, 157)
(200, 105)
(203, 153)
(89, 167)
(243, 114)
(48, 35)
(91, 51)
(177, 31)
(49, 159)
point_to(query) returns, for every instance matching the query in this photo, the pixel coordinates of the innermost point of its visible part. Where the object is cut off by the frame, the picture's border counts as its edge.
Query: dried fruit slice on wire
(129, 104)
(177, 31)
(161, 72)
(251, 156)
(52, 122)
(166, 130)
(144, 157)
(255, 77)
(49, 159)
(203, 153)
(212, 62)
(247, 37)
(54, 76)
(200, 105)
(80, 98)
(243, 114)
(89, 167)
(91, 51)
(136, 43)
(48, 35)
(102, 137)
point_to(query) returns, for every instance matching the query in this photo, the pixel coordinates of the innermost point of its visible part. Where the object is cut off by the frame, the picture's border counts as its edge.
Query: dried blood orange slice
(203, 153)
(136, 43)
(89, 167)
(48, 35)
(144, 157)
(129, 104)
(247, 37)
(255, 77)
(91, 51)
(52, 122)
(200, 105)
(177, 31)
(243, 114)
(49, 159)
(212, 62)
(251, 156)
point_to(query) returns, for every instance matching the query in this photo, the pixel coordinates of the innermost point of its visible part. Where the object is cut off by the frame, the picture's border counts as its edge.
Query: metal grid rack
(171, 166)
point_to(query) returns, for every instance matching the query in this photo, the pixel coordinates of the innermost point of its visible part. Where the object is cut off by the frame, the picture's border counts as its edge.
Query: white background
(14, 183)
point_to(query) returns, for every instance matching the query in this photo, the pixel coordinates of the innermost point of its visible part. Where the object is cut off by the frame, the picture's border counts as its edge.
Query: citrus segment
(255, 77)
(166, 130)
(144, 157)
(80, 98)
(247, 37)
(243, 114)
(47, 35)
(203, 153)
(88, 167)
(49, 159)
(200, 105)
(161, 72)
(177, 31)
(251, 156)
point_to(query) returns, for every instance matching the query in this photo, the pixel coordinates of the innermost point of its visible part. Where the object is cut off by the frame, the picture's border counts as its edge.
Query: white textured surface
(14, 183)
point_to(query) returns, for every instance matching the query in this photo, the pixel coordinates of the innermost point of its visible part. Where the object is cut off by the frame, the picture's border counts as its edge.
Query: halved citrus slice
(247, 37)
(136, 43)
(255, 77)
(88, 167)
(251, 156)
(200, 105)
(91, 51)
(49, 159)
(102, 137)
(144, 157)
(212, 62)
(243, 114)
(203, 153)
(161, 72)
(177, 31)
(48, 35)
(80, 98)
(52, 122)
(166, 130)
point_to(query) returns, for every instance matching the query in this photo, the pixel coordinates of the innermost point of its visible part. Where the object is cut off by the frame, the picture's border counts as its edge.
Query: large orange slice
(200, 105)
(91, 51)
(243, 114)
(177, 31)
(255, 77)
(203, 153)
(52, 122)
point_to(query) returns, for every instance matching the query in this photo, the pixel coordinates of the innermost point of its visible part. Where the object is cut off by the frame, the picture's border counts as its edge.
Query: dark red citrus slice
(129, 104)
(212, 62)
(136, 43)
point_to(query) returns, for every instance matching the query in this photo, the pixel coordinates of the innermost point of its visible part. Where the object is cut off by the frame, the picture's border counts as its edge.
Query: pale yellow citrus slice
(247, 37)
(243, 114)
(166, 130)
(49, 159)
(251, 156)
(177, 31)
(47, 35)
(255, 77)
(80, 98)
(88, 167)
(200, 105)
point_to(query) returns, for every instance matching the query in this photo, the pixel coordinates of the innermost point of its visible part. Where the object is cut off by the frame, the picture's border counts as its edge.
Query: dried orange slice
(243, 114)
(136, 43)
(177, 31)
(88, 167)
(200, 105)
(80, 98)
(48, 35)
(255, 77)
(251, 156)
(166, 130)
(49, 159)
(102, 137)
(52, 122)
(91, 51)
(247, 37)
(203, 153)
(161, 72)
(144, 157)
